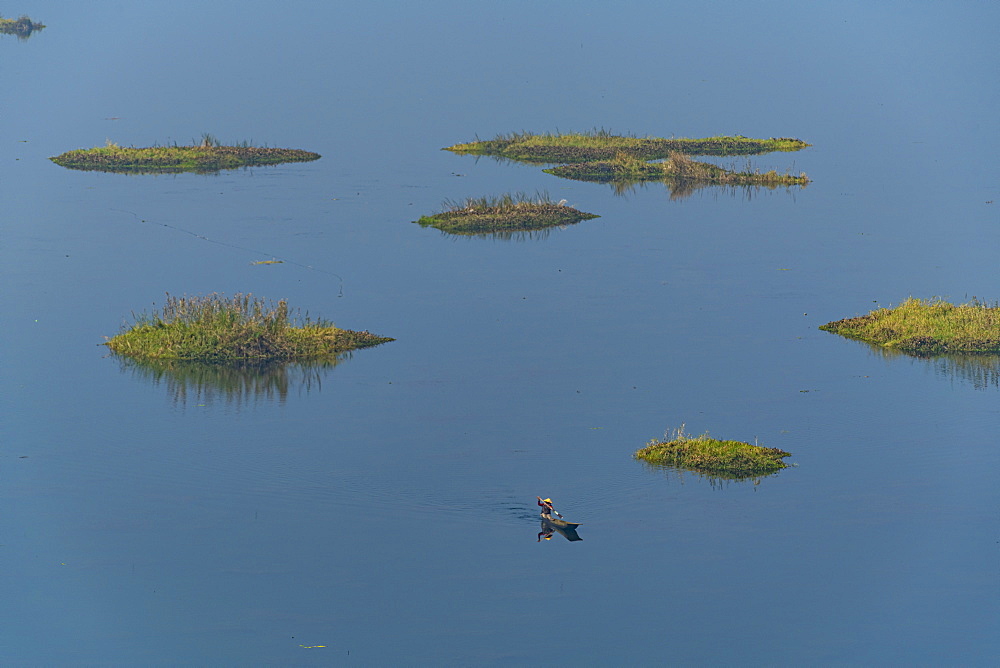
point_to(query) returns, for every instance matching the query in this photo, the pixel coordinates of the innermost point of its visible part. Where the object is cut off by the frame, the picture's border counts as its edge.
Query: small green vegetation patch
(604, 145)
(207, 157)
(927, 327)
(505, 213)
(22, 27)
(677, 167)
(709, 455)
(238, 329)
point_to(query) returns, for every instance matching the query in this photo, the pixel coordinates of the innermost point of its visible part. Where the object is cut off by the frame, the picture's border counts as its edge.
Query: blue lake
(381, 511)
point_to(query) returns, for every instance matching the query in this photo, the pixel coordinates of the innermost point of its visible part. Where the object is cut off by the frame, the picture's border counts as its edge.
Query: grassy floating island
(927, 327)
(239, 329)
(603, 145)
(505, 213)
(22, 27)
(208, 156)
(733, 459)
(677, 167)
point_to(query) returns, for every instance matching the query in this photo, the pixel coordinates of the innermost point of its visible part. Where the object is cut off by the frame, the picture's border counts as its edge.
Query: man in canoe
(547, 509)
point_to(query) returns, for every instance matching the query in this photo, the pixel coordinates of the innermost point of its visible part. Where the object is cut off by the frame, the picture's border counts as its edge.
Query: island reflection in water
(717, 480)
(22, 27)
(237, 385)
(981, 370)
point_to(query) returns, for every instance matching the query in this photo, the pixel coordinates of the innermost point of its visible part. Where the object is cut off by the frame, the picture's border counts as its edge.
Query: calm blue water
(381, 512)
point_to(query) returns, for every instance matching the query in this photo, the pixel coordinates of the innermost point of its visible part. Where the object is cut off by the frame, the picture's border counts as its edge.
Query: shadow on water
(716, 480)
(981, 370)
(239, 385)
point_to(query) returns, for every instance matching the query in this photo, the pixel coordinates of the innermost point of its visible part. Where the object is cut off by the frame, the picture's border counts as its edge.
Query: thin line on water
(231, 245)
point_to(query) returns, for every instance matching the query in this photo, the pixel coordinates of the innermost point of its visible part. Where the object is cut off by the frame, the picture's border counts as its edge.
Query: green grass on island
(237, 329)
(731, 459)
(677, 167)
(927, 327)
(206, 157)
(603, 145)
(505, 213)
(22, 27)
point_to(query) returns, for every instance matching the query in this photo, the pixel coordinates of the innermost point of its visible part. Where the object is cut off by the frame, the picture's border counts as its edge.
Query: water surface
(381, 511)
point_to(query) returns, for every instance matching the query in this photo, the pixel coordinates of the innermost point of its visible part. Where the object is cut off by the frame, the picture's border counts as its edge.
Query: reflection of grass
(503, 214)
(729, 459)
(208, 156)
(237, 384)
(981, 370)
(517, 236)
(678, 189)
(676, 168)
(927, 327)
(603, 145)
(22, 27)
(237, 329)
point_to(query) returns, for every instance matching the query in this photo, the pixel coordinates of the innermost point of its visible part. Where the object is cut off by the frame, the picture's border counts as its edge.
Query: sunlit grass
(241, 328)
(503, 213)
(602, 144)
(927, 327)
(207, 156)
(713, 456)
(676, 167)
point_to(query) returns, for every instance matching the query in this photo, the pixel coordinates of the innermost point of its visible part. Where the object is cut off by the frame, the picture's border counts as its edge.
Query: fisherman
(547, 508)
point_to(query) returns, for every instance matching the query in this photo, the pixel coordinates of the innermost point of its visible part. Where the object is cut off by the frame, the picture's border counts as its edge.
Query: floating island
(725, 459)
(22, 27)
(925, 327)
(603, 145)
(627, 169)
(238, 329)
(503, 214)
(207, 157)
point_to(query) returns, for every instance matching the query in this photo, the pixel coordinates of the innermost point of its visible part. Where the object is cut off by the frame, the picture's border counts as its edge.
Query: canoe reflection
(565, 529)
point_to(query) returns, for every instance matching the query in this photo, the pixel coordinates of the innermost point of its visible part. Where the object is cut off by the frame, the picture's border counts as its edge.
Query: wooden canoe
(561, 524)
